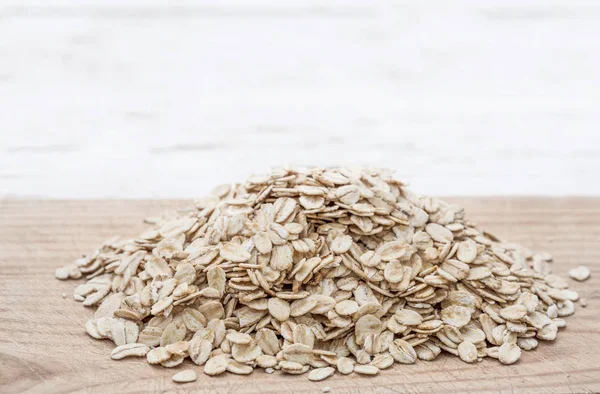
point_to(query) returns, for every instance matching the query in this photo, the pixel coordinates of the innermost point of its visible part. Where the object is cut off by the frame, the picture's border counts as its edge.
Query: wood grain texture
(136, 98)
(44, 348)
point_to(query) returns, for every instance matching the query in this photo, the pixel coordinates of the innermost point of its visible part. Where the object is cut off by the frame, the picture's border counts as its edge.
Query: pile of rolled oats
(324, 269)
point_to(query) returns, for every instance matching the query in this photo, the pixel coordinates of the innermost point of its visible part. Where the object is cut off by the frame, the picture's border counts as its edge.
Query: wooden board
(44, 348)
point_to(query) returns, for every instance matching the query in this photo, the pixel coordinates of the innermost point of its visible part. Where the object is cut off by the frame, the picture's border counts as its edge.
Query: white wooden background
(159, 98)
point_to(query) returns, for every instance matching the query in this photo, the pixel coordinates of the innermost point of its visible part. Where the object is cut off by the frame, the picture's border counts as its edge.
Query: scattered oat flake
(185, 376)
(580, 273)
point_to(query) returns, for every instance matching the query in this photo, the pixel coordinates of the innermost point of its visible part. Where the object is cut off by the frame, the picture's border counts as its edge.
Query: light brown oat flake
(157, 355)
(467, 352)
(580, 273)
(403, 352)
(185, 376)
(366, 369)
(319, 374)
(341, 244)
(216, 365)
(129, 350)
(509, 353)
(238, 368)
(345, 365)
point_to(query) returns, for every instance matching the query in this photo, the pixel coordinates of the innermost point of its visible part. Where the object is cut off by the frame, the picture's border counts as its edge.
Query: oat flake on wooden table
(318, 269)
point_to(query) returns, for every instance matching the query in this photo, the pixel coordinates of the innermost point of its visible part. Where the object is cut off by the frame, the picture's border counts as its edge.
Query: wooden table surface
(44, 347)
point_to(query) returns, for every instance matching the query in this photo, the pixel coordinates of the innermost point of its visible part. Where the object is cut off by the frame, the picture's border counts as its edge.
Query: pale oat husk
(330, 269)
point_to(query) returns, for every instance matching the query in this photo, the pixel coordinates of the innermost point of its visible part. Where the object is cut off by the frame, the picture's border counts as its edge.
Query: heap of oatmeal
(318, 270)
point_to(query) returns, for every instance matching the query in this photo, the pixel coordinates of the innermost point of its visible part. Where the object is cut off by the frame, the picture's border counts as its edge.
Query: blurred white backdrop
(150, 98)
